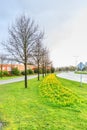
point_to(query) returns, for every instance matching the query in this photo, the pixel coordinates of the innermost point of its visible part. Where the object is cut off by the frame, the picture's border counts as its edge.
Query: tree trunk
(38, 71)
(43, 70)
(25, 65)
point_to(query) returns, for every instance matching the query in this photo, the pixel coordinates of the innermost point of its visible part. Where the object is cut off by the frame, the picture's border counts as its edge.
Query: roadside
(73, 76)
(16, 79)
(10, 77)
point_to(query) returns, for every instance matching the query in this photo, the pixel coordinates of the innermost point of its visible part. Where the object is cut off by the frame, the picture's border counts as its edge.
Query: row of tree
(25, 45)
(66, 68)
(16, 72)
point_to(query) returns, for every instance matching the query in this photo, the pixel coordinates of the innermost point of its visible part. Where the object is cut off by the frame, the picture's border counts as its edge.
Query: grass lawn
(81, 72)
(24, 109)
(9, 77)
(12, 77)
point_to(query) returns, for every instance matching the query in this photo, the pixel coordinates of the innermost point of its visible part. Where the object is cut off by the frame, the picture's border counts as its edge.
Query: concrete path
(73, 76)
(16, 79)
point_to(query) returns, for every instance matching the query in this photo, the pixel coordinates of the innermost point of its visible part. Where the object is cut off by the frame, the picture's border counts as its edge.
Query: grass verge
(54, 92)
(24, 109)
(80, 72)
(9, 77)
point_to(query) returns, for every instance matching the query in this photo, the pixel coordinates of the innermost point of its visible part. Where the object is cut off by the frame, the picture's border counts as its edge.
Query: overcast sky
(64, 23)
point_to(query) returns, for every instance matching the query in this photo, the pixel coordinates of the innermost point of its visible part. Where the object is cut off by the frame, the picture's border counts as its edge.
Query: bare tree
(22, 36)
(45, 60)
(37, 54)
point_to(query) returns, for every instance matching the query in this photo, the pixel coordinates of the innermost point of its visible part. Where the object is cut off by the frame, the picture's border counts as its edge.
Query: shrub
(53, 92)
(5, 73)
(15, 71)
(1, 73)
(40, 71)
(23, 72)
(30, 71)
(52, 69)
(36, 71)
(48, 71)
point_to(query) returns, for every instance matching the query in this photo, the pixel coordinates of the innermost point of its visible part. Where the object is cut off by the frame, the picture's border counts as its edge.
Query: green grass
(12, 77)
(24, 109)
(9, 77)
(81, 72)
(54, 92)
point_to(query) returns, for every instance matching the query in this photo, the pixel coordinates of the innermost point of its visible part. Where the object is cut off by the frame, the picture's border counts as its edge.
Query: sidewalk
(16, 79)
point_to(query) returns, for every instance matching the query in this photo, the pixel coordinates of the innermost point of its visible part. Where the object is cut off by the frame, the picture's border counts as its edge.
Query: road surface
(16, 79)
(73, 76)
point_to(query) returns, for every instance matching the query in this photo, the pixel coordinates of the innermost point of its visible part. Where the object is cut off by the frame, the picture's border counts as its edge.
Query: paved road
(16, 79)
(73, 76)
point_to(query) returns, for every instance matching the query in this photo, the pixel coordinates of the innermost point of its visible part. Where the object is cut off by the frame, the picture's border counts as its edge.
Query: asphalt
(73, 76)
(66, 75)
(16, 79)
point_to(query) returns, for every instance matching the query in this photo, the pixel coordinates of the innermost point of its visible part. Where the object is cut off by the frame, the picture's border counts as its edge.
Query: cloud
(64, 22)
(73, 41)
